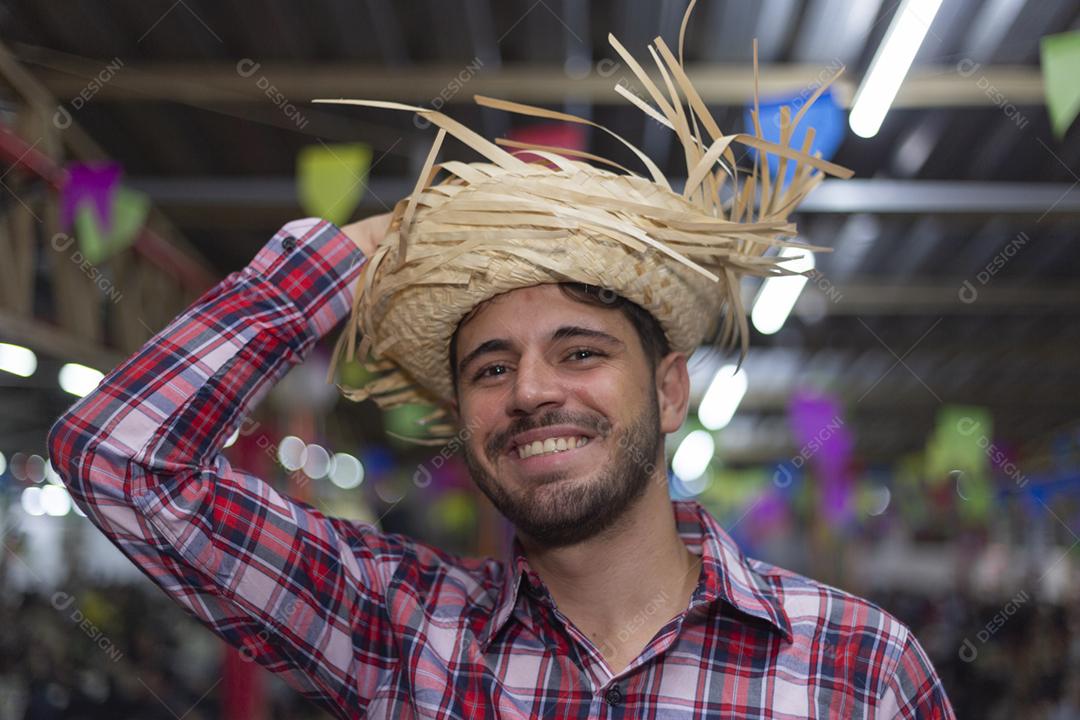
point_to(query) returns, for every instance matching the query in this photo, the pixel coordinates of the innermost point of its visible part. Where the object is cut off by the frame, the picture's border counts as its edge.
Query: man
(549, 308)
(629, 602)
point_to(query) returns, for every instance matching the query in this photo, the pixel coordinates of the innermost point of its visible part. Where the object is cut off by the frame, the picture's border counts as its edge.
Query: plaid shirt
(373, 624)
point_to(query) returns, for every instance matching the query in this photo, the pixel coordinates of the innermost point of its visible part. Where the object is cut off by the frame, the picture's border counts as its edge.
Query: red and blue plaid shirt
(373, 624)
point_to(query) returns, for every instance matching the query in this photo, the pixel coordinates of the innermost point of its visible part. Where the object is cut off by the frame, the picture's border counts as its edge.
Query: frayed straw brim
(492, 227)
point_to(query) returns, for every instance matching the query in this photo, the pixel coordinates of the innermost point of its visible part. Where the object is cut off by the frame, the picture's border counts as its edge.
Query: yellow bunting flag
(330, 179)
(958, 453)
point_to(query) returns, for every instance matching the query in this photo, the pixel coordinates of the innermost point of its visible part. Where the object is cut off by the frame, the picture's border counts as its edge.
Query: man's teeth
(551, 445)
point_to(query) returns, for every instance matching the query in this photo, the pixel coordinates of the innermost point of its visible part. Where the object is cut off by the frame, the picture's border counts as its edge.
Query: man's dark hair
(653, 340)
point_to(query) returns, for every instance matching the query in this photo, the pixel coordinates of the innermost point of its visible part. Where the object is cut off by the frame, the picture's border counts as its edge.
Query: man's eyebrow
(488, 346)
(570, 331)
(566, 331)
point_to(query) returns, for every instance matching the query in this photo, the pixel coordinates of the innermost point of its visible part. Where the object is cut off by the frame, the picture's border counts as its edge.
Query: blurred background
(906, 425)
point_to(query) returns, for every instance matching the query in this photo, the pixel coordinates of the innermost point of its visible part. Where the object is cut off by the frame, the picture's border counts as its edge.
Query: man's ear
(455, 411)
(672, 391)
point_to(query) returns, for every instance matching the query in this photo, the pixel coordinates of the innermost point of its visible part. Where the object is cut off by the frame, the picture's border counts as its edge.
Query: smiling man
(548, 310)
(555, 405)
(614, 601)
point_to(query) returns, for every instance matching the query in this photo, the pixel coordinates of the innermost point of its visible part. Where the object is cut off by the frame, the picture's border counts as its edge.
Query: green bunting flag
(958, 454)
(97, 243)
(402, 421)
(330, 179)
(1061, 78)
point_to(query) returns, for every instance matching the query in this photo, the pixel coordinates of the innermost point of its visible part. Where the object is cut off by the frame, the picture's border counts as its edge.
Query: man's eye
(489, 371)
(584, 354)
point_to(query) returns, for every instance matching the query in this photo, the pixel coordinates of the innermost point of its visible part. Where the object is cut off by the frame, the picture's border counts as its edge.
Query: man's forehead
(535, 310)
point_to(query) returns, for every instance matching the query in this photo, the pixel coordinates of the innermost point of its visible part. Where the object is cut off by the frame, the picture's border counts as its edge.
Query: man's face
(563, 411)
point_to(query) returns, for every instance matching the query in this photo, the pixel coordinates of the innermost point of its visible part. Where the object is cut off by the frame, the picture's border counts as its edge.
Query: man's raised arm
(300, 593)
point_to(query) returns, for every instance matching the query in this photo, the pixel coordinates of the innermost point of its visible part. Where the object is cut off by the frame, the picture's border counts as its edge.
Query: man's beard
(570, 513)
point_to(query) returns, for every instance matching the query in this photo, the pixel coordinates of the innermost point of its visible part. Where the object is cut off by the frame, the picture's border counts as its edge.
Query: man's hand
(368, 233)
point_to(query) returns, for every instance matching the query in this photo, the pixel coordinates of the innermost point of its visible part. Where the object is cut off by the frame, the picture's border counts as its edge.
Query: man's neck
(626, 583)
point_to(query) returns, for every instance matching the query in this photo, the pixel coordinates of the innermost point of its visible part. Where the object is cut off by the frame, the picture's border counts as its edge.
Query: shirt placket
(609, 690)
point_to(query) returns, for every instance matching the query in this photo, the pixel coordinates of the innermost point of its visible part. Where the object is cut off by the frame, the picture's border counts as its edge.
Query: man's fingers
(369, 232)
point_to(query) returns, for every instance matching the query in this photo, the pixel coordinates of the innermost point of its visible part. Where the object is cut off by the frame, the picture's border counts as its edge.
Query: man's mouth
(550, 446)
(548, 440)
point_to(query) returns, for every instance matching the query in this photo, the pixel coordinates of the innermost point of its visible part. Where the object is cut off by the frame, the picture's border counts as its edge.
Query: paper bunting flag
(404, 421)
(825, 116)
(556, 136)
(1060, 56)
(127, 214)
(818, 426)
(957, 453)
(958, 440)
(92, 183)
(330, 179)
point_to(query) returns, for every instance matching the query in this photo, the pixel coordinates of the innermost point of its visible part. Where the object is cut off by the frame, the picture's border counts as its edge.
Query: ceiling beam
(54, 341)
(960, 296)
(920, 197)
(69, 76)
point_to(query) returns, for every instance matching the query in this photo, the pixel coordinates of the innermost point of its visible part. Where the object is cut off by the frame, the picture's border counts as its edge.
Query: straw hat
(486, 228)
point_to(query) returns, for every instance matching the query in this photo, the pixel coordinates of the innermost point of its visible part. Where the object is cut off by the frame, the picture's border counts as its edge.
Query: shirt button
(613, 695)
(288, 243)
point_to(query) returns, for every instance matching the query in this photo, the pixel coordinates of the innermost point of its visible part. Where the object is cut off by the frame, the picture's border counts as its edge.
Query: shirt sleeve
(298, 592)
(913, 690)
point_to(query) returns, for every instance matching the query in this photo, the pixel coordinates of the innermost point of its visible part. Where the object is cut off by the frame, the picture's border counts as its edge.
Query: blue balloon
(825, 116)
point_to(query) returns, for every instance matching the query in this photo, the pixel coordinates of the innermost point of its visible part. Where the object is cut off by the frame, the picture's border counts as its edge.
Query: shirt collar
(728, 576)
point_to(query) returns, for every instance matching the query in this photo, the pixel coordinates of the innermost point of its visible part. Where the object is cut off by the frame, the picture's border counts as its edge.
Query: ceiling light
(890, 65)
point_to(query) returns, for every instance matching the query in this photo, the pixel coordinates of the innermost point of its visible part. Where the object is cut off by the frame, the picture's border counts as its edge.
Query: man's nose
(536, 385)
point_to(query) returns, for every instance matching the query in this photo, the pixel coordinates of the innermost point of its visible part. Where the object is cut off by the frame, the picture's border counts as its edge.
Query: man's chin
(539, 485)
